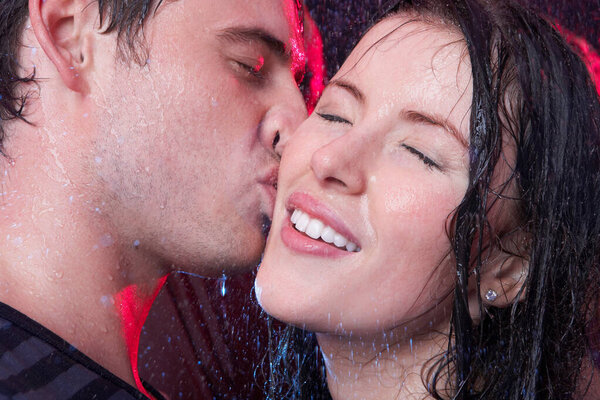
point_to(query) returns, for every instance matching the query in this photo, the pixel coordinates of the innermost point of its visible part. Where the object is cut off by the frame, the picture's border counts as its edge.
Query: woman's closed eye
(333, 118)
(426, 160)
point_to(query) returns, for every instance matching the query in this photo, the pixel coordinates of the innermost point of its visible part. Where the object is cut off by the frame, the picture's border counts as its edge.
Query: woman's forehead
(413, 64)
(401, 42)
(406, 26)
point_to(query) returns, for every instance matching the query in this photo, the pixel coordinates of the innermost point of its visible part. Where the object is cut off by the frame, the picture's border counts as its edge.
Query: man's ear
(64, 29)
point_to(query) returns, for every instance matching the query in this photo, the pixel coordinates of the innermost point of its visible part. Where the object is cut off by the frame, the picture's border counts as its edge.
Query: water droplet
(106, 240)
(107, 300)
(222, 285)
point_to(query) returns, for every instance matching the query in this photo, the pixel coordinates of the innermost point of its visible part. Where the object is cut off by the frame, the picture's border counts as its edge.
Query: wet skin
(383, 161)
(191, 169)
(129, 171)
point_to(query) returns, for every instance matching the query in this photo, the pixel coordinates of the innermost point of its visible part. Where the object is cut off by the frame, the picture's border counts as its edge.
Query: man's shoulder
(35, 363)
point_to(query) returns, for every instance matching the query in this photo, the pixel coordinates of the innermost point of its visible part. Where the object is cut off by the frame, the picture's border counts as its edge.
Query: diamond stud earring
(491, 295)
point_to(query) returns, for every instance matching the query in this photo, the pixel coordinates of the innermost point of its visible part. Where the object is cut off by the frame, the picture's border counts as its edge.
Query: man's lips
(269, 176)
(268, 180)
(269, 202)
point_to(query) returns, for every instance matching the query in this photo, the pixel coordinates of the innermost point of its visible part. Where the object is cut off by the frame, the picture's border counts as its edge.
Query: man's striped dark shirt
(36, 364)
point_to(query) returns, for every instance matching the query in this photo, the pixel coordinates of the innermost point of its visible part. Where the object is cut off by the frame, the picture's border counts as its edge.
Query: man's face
(184, 160)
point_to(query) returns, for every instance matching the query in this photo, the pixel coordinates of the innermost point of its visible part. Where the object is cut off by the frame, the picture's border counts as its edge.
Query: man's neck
(64, 267)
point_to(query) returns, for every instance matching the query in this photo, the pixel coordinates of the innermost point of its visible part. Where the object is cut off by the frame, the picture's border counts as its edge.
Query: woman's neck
(384, 367)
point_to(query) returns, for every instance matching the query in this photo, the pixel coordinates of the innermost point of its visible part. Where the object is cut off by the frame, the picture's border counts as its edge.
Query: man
(146, 142)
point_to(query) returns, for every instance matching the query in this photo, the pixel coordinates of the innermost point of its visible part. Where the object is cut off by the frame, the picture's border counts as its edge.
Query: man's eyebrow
(420, 117)
(244, 35)
(351, 88)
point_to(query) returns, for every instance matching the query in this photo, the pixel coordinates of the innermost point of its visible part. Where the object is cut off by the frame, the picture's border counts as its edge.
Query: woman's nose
(341, 163)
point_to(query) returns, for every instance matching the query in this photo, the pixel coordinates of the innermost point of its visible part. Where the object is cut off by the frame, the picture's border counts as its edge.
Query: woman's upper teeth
(316, 229)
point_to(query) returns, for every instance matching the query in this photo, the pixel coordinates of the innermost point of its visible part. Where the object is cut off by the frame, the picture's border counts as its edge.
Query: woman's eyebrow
(351, 88)
(420, 117)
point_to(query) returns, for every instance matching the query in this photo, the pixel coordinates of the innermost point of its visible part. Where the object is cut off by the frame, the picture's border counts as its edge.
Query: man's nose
(281, 120)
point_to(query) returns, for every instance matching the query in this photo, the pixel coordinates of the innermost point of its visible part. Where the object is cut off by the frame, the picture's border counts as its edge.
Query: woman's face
(377, 168)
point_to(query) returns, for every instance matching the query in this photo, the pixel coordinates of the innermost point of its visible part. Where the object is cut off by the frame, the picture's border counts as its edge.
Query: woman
(436, 221)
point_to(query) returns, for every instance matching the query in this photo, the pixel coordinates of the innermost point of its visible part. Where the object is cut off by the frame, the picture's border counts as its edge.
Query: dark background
(343, 21)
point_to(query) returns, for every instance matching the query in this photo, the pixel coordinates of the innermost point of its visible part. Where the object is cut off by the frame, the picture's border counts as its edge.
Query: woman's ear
(503, 275)
(65, 31)
(502, 281)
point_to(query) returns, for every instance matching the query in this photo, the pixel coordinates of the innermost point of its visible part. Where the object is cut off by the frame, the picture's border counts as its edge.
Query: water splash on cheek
(365, 214)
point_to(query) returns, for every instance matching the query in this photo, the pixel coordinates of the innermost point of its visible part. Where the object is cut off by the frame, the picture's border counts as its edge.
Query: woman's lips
(317, 229)
(316, 209)
(301, 243)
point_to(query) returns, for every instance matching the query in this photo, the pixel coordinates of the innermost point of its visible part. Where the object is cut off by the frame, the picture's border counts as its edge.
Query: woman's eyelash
(426, 160)
(334, 118)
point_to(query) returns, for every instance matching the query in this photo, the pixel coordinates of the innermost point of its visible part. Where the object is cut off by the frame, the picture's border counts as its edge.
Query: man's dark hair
(126, 17)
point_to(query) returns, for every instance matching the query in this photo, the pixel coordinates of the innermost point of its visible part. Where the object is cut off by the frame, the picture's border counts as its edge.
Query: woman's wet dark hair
(533, 93)
(126, 17)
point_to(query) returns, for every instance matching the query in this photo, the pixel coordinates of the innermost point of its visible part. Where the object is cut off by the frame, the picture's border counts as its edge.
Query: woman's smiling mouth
(316, 229)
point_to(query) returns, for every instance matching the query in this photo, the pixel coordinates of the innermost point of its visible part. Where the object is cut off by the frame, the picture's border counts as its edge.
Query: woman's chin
(266, 290)
(272, 294)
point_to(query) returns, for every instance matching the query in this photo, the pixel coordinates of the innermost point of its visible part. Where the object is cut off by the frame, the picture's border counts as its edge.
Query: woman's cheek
(417, 198)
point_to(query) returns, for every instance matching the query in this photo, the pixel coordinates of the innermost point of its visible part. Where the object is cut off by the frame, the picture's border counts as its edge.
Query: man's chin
(239, 260)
